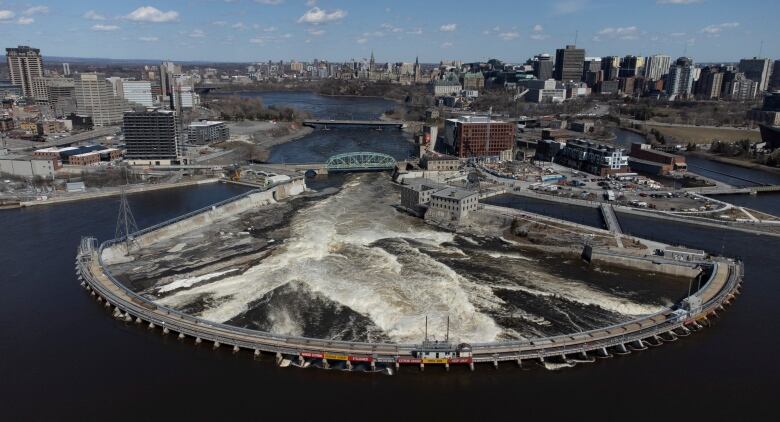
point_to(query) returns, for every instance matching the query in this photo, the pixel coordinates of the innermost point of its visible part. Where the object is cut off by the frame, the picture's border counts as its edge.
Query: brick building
(477, 136)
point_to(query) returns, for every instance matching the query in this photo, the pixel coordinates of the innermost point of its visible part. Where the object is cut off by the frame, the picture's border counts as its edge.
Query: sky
(400, 30)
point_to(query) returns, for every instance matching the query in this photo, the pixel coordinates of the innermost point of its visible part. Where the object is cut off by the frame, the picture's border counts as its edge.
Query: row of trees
(236, 108)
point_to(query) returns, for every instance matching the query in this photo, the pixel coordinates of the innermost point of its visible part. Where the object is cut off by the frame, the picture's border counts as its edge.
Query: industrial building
(416, 194)
(477, 136)
(439, 162)
(152, 137)
(206, 131)
(26, 166)
(645, 159)
(452, 204)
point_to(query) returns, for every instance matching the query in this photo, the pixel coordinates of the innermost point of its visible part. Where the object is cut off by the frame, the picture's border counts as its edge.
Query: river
(318, 146)
(63, 357)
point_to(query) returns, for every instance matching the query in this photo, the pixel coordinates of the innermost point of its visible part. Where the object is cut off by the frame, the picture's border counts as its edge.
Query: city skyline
(259, 30)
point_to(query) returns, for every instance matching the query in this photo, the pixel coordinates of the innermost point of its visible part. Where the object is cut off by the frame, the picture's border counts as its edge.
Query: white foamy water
(356, 250)
(331, 251)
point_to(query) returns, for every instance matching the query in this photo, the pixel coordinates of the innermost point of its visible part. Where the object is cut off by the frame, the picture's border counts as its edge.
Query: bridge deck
(325, 122)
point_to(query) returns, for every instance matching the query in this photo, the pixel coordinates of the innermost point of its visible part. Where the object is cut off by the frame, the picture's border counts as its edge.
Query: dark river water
(321, 144)
(62, 356)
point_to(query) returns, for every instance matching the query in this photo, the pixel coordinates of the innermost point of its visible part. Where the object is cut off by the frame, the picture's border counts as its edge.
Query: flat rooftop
(454, 193)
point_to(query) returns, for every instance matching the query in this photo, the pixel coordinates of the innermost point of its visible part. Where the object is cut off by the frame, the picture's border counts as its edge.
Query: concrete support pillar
(198, 340)
(257, 353)
(151, 325)
(397, 366)
(138, 320)
(236, 349)
(495, 363)
(100, 299)
(447, 367)
(108, 304)
(519, 363)
(622, 348)
(422, 367)
(166, 330)
(128, 318)
(216, 345)
(92, 293)
(325, 364)
(301, 360)
(279, 358)
(471, 366)
(181, 336)
(373, 365)
(583, 355)
(349, 366)
(83, 284)
(604, 352)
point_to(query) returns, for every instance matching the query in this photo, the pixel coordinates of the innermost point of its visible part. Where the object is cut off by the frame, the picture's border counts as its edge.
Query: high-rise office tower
(631, 66)
(774, 82)
(611, 67)
(95, 97)
(657, 66)
(591, 65)
(24, 65)
(66, 69)
(168, 71)
(757, 70)
(543, 67)
(152, 137)
(568, 63)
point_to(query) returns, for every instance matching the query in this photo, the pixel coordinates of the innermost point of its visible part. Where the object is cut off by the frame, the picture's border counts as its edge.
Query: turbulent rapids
(344, 264)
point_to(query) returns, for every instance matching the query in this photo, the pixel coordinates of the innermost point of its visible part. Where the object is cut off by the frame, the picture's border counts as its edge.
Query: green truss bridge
(360, 161)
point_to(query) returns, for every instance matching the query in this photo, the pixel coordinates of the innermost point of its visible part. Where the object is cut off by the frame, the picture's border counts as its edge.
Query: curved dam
(664, 323)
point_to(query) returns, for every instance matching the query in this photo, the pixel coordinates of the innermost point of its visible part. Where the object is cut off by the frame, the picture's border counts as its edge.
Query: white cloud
(715, 29)
(270, 2)
(257, 40)
(621, 32)
(101, 27)
(539, 37)
(450, 27)
(219, 23)
(196, 33)
(94, 16)
(416, 31)
(316, 32)
(538, 28)
(24, 20)
(446, 45)
(152, 14)
(391, 28)
(508, 36)
(148, 39)
(678, 1)
(34, 10)
(362, 40)
(270, 29)
(569, 6)
(6, 15)
(315, 15)
(238, 25)
(311, 3)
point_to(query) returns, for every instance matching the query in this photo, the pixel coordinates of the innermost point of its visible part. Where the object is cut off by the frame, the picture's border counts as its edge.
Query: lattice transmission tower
(125, 222)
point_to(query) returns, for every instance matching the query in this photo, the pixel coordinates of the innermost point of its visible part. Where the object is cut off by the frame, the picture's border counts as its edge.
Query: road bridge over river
(362, 123)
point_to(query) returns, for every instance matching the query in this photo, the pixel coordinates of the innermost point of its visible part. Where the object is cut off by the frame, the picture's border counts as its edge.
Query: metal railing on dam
(722, 285)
